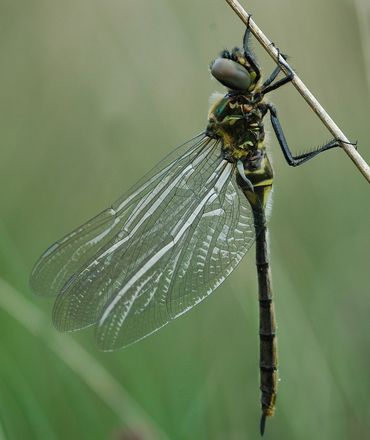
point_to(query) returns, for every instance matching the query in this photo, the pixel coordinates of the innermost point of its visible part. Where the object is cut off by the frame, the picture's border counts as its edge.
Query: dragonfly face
(234, 71)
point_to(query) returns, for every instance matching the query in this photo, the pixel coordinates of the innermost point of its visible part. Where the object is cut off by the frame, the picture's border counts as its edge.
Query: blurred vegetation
(93, 94)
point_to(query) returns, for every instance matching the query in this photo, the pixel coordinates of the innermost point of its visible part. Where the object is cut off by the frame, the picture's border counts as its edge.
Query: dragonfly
(174, 237)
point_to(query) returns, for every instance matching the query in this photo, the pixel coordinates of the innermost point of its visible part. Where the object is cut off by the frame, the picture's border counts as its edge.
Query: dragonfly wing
(171, 243)
(206, 244)
(65, 258)
(87, 293)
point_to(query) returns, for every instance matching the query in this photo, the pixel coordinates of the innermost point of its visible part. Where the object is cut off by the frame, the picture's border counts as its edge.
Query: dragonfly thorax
(237, 120)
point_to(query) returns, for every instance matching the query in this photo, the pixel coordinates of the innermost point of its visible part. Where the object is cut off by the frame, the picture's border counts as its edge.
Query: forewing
(66, 258)
(158, 251)
(150, 224)
(204, 245)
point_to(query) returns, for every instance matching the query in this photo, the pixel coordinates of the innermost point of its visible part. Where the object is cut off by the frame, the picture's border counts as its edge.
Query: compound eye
(231, 74)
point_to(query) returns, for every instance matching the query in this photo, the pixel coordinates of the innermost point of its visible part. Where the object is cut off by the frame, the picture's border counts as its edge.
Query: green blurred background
(93, 94)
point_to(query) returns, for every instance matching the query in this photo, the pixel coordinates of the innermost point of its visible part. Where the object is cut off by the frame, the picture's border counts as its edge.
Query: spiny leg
(267, 87)
(301, 158)
(276, 71)
(272, 77)
(249, 55)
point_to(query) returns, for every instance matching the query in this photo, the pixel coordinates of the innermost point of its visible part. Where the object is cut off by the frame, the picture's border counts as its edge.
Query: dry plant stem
(303, 90)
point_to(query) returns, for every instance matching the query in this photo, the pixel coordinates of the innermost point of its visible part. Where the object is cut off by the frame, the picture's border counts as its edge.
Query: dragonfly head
(233, 70)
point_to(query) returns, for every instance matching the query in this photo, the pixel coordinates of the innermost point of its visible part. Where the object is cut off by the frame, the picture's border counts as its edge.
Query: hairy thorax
(237, 120)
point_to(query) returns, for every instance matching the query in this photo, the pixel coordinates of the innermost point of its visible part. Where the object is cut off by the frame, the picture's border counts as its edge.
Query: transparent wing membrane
(158, 251)
(64, 258)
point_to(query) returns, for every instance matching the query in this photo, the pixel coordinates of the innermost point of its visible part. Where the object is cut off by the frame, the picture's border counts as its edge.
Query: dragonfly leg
(267, 86)
(301, 158)
(249, 55)
(276, 71)
(272, 77)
